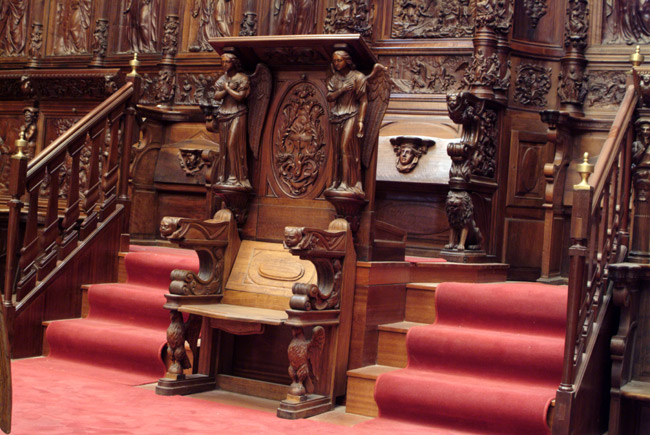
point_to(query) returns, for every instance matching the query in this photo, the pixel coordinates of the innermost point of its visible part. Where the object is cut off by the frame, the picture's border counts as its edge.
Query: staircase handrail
(599, 236)
(105, 136)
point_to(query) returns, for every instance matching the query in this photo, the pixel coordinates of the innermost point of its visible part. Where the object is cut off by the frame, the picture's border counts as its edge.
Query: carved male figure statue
(347, 90)
(233, 87)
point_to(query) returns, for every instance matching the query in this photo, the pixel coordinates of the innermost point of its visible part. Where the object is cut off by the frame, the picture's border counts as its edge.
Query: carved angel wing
(258, 103)
(378, 89)
(315, 349)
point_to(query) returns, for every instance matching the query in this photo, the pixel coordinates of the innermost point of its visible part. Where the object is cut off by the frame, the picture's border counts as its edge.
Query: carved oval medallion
(285, 271)
(299, 154)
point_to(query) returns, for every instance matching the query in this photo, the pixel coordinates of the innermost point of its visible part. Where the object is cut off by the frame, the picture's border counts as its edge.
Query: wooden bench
(262, 289)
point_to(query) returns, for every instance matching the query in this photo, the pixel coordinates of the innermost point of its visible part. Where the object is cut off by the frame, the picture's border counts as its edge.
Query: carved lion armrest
(216, 242)
(328, 250)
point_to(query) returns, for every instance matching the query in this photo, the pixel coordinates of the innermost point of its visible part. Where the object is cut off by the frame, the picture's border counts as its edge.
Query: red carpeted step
(491, 362)
(135, 350)
(537, 359)
(128, 303)
(152, 267)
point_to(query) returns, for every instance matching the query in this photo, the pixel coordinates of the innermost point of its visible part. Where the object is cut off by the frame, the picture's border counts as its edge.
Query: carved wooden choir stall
(296, 168)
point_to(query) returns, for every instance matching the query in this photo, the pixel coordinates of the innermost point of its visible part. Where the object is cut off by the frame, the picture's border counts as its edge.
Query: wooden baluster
(578, 252)
(110, 169)
(95, 140)
(127, 142)
(70, 233)
(16, 190)
(48, 246)
(29, 251)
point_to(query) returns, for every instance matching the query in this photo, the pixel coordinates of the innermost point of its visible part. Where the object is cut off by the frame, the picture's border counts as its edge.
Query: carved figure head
(292, 236)
(231, 62)
(459, 208)
(642, 127)
(341, 60)
(409, 150)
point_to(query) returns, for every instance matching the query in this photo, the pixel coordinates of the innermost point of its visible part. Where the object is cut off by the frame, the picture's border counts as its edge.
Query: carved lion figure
(464, 234)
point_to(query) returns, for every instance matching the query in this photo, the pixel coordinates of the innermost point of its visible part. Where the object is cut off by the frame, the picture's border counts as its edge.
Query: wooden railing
(599, 236)
(66, 196)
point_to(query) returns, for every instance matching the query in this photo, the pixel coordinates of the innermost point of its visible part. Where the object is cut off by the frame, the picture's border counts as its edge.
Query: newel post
(582, 197)
(129, 139)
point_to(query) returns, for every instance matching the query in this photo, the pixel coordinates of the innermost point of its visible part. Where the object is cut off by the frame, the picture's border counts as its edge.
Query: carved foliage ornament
(577, 24)
(475, 154)
(299, 146)
(350, 16)
(426, 74)
(535, 10)
(408, 150)
(432, 19)
(532, 85)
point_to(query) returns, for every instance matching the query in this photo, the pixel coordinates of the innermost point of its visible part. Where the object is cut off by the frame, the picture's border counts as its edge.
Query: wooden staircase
(391, 348)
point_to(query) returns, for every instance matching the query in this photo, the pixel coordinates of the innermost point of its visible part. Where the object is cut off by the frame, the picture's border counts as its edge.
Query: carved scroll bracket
(210, 239)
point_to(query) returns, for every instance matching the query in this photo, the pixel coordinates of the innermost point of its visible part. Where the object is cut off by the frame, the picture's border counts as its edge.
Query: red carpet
(490, 364)
(124, 334)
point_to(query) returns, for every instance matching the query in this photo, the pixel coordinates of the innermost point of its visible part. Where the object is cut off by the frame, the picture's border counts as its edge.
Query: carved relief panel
(293, 17)
(13, 27)
(532, 85)
(351, 16)
(605, 89)
(209, 19)
(72, 27)
(139, 32)
(426, 74)
(432, 19)
(527, 158)
(299, 154)
(626, 22)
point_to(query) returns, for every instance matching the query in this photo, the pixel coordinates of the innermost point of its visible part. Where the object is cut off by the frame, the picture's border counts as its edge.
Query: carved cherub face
(292, 236)
(407, 154)
(338, 62)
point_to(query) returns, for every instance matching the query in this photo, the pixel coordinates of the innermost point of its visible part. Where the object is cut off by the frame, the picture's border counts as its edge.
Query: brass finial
(135, 63)
(636, 58)
(21, 144)
(585, 169)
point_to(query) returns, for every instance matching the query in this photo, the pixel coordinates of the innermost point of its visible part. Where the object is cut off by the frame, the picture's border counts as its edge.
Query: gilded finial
(585, 169)
(637, 58)
(135, 63)
(21, 144)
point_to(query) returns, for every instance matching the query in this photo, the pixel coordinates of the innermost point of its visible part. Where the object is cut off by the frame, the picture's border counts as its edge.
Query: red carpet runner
(489, 364)
(124, 333)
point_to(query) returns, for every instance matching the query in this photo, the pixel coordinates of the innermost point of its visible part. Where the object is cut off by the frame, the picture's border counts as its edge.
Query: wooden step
(636, 390)
(121, 268)
(391, 347)
(420, 302)
(361, 389)
(459, 272)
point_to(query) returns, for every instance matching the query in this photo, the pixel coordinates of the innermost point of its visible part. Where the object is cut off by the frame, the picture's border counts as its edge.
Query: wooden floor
(336, 416)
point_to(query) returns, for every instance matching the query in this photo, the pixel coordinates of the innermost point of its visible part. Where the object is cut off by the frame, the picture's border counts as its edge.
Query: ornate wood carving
(165, 86)
(48, 84)
(170, 35)
(140, 18)
(29, 129)
(305, 360)
(432, 19)
(248, 26)
(178, 333)
(483, 70)
(475, 154)
(209, 238)
(100, 42)
(13, 27)
(36, 41)
(605, 88)
(572, 87)
(350, 16)
(535, 10)
(626, 22)
(326, 250)
(426, 74)
(641, 160)
(532, 85)
(299, 151)
(196, 89)
(190, 161)
(408, 150)
(215, 19)
(359, 104)
(293, 17)
(464, 233)
(72, 24)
